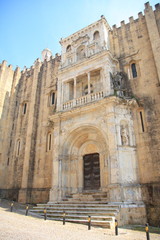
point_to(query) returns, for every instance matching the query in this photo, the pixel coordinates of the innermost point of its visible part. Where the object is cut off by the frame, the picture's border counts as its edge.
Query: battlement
(141, 17)
(3, 65)
(38, 61)
(131, 21)
(157, 6)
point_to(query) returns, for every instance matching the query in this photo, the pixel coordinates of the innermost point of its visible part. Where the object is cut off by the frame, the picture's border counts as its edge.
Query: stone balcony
(83, 100)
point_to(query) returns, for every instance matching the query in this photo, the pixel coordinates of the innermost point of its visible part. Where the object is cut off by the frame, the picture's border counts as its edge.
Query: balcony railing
(83, 100)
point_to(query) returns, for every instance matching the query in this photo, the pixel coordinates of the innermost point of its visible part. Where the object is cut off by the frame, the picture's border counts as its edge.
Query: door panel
(91, 171)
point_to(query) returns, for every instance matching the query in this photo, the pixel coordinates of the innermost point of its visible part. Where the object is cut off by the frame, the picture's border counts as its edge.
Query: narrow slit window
(8, 162)
(18, 147)
(49, 145)
(142, 122)
(52, 98)
(25, 108)
(134, 70)
(49, 142)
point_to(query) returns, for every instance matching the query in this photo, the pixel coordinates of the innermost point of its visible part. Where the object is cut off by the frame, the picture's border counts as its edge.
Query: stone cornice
(83, 30)
(89, 107)
(88, 60)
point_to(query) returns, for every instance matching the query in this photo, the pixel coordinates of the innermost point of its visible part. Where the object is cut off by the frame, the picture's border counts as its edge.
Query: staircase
(78, 207)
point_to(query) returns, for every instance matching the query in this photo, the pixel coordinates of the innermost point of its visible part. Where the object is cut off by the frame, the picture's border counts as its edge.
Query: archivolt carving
(81, 40)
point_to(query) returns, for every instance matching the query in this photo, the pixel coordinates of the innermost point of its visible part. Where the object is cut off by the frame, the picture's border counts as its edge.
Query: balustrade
(83, 100)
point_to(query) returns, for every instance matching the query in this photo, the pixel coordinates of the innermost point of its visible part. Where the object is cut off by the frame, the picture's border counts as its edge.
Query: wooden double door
(91, 168)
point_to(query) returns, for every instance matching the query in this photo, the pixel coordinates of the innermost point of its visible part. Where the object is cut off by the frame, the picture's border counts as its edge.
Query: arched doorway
(91, 171)
(84, 145)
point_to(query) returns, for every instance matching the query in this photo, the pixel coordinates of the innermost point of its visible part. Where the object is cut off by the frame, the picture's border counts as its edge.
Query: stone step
(86, 198)
(86, 213)
(89, 192)
(106, 224)
(87, 195)
(83, 217)
(77, 206)
(85, 201)
(79, 209)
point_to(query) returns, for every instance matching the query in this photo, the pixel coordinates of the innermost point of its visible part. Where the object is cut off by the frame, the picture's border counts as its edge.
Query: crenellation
(131, 19)
(4, 62)
(140, 15)
(17, 69)
(10, 66)
(147, 5)
(157, 7)
(122, 23)
(114, 26)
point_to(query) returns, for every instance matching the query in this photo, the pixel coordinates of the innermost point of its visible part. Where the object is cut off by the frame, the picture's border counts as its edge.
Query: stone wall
(25, 163)
(138, 42)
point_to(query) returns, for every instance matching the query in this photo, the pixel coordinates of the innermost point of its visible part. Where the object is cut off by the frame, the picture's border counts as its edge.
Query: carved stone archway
(81, 141)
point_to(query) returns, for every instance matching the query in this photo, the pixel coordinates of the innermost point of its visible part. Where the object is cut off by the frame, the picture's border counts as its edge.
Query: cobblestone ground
(15, 225)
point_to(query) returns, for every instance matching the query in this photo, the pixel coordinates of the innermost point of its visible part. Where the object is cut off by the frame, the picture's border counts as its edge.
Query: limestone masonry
(88, 120)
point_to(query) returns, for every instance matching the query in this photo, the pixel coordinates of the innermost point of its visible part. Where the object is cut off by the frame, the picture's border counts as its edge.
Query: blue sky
(29, 26)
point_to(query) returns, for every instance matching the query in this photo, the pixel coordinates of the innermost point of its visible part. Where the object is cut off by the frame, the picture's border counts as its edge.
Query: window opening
(96, 35)
(142, 122)
(52, 98)
(134, 70)
(25, 108)
(18, 147)
(68, 48)
(49, 141)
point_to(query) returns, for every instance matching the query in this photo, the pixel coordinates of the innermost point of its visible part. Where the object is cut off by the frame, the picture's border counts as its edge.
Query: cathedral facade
(88, 119)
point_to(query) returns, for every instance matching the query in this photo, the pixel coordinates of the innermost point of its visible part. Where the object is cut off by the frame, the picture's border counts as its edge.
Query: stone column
(55, 191)
(102, 80)
(59, 95)
(106, 80)
(89, 78)
(75, 94)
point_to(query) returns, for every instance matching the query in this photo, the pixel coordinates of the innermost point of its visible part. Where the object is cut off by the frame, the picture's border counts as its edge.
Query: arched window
(49, 142)
(96, 35)
(68, 49)
(18, 147)
(81, 52)
(134, 70)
